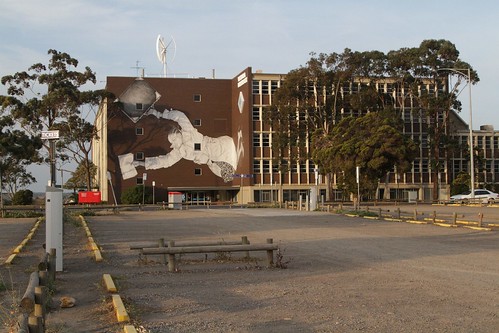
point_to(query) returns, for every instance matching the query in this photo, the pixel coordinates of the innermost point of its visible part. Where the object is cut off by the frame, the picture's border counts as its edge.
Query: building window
(480, 142)
(266, 166)
(424, 166)
(256, 87)
(139, 156)
(198, 172)
(488, 166)
(256, 140)
(197, 122)
(265, 139)
(197, 97)
(139, 131)
(256, 113)
(139, 106)
(424, 141)
(273, 86)
(256, 166)
(416, 166)
(265, 87)
(488, 142)
(496, 166)
(197, 146)
(140, 181)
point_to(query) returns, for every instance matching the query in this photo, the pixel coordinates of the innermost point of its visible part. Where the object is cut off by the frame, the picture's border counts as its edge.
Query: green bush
(134, 195)
(23, 197)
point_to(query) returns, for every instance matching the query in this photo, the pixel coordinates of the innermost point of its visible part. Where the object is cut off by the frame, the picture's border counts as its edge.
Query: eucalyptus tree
(54, 97)
(314, 98)
(424, 72)
(374, 142)
(17, 150)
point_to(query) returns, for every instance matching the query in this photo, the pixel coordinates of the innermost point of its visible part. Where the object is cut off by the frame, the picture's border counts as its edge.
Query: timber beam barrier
(172, 250)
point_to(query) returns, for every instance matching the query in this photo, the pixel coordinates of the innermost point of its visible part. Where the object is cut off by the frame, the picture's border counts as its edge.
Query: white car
(481, 195)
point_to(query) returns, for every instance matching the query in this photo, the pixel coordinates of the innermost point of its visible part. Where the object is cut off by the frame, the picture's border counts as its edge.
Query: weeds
(9, 305)
(279, 259)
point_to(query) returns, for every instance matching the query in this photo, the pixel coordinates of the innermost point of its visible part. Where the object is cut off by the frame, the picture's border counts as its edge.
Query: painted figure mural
(219, 153)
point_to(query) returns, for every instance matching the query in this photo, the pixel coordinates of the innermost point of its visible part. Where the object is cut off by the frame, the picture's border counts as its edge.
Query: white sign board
(49, 135)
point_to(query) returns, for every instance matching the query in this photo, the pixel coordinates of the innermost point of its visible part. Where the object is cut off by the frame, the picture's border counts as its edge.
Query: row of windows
(266, 165)
(486, 166)
(264, 87)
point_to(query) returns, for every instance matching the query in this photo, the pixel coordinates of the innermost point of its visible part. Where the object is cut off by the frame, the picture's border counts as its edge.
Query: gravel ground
(343, 275)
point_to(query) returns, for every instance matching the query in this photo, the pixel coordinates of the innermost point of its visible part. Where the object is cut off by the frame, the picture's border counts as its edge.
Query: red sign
(89, 197)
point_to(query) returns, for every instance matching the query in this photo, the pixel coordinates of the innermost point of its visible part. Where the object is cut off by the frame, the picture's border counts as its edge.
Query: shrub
(134, 195)
(23, 197)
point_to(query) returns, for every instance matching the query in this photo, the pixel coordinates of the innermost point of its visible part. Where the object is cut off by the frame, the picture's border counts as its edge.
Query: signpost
(53, 205)
(51, 136)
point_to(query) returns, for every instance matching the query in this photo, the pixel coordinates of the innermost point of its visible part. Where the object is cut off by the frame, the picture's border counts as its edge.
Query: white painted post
(53, 232)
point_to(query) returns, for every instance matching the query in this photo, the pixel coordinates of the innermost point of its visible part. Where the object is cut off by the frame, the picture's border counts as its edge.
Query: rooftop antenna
(162, 48)
(139, 69)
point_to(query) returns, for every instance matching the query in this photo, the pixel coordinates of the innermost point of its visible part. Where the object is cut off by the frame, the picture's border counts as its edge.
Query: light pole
(472, 154)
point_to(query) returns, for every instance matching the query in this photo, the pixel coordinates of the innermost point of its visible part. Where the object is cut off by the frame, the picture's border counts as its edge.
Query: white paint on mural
(219, 154)
(240, 102)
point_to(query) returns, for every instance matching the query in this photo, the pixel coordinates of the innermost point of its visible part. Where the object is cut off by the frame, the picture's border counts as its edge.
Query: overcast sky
(113, 37)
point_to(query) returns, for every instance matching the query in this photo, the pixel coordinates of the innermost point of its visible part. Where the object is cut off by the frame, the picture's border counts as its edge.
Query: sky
(115, 37)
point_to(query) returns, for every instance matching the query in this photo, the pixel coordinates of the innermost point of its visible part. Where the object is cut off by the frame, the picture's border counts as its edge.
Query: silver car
(481, 195)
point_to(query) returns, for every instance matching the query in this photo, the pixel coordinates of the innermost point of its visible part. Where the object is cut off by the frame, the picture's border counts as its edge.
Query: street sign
(50, 135)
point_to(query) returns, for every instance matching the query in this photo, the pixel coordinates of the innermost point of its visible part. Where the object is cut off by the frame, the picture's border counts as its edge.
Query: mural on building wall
(138, 99)
(219, 154)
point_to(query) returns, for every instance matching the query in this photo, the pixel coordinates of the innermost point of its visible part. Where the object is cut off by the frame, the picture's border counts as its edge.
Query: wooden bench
(172, 250)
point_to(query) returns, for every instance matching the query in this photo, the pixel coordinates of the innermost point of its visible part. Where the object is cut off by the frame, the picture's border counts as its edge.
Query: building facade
(208, 139)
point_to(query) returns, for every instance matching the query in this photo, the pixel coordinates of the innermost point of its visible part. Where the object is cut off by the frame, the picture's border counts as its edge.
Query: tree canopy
(54, 97)
(316, 97)
(17, 150)
(373, 142)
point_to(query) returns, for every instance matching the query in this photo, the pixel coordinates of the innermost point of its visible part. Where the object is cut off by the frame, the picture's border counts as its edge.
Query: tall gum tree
(314, 98)
(425, 72)
(53, 97)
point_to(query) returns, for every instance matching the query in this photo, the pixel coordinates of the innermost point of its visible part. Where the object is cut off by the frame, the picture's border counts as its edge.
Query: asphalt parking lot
(343, 274)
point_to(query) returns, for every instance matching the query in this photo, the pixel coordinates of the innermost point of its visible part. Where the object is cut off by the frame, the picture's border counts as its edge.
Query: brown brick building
(207, 139)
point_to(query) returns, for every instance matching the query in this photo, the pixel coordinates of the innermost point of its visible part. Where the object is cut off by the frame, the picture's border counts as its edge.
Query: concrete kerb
(93, 246)
(23, 243)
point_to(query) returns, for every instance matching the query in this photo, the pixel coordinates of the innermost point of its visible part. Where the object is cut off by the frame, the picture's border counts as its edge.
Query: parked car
(481, 195)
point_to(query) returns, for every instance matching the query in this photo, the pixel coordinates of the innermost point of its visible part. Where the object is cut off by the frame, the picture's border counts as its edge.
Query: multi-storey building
(207, 138)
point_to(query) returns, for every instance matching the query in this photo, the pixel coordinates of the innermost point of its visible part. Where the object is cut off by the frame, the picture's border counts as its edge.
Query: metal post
(153, 187)
(52, 162)
(472, 153)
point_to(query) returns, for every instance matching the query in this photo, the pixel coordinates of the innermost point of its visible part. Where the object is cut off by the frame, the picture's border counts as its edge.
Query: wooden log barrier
(27, 304)
(171, 251)
(155, 244)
